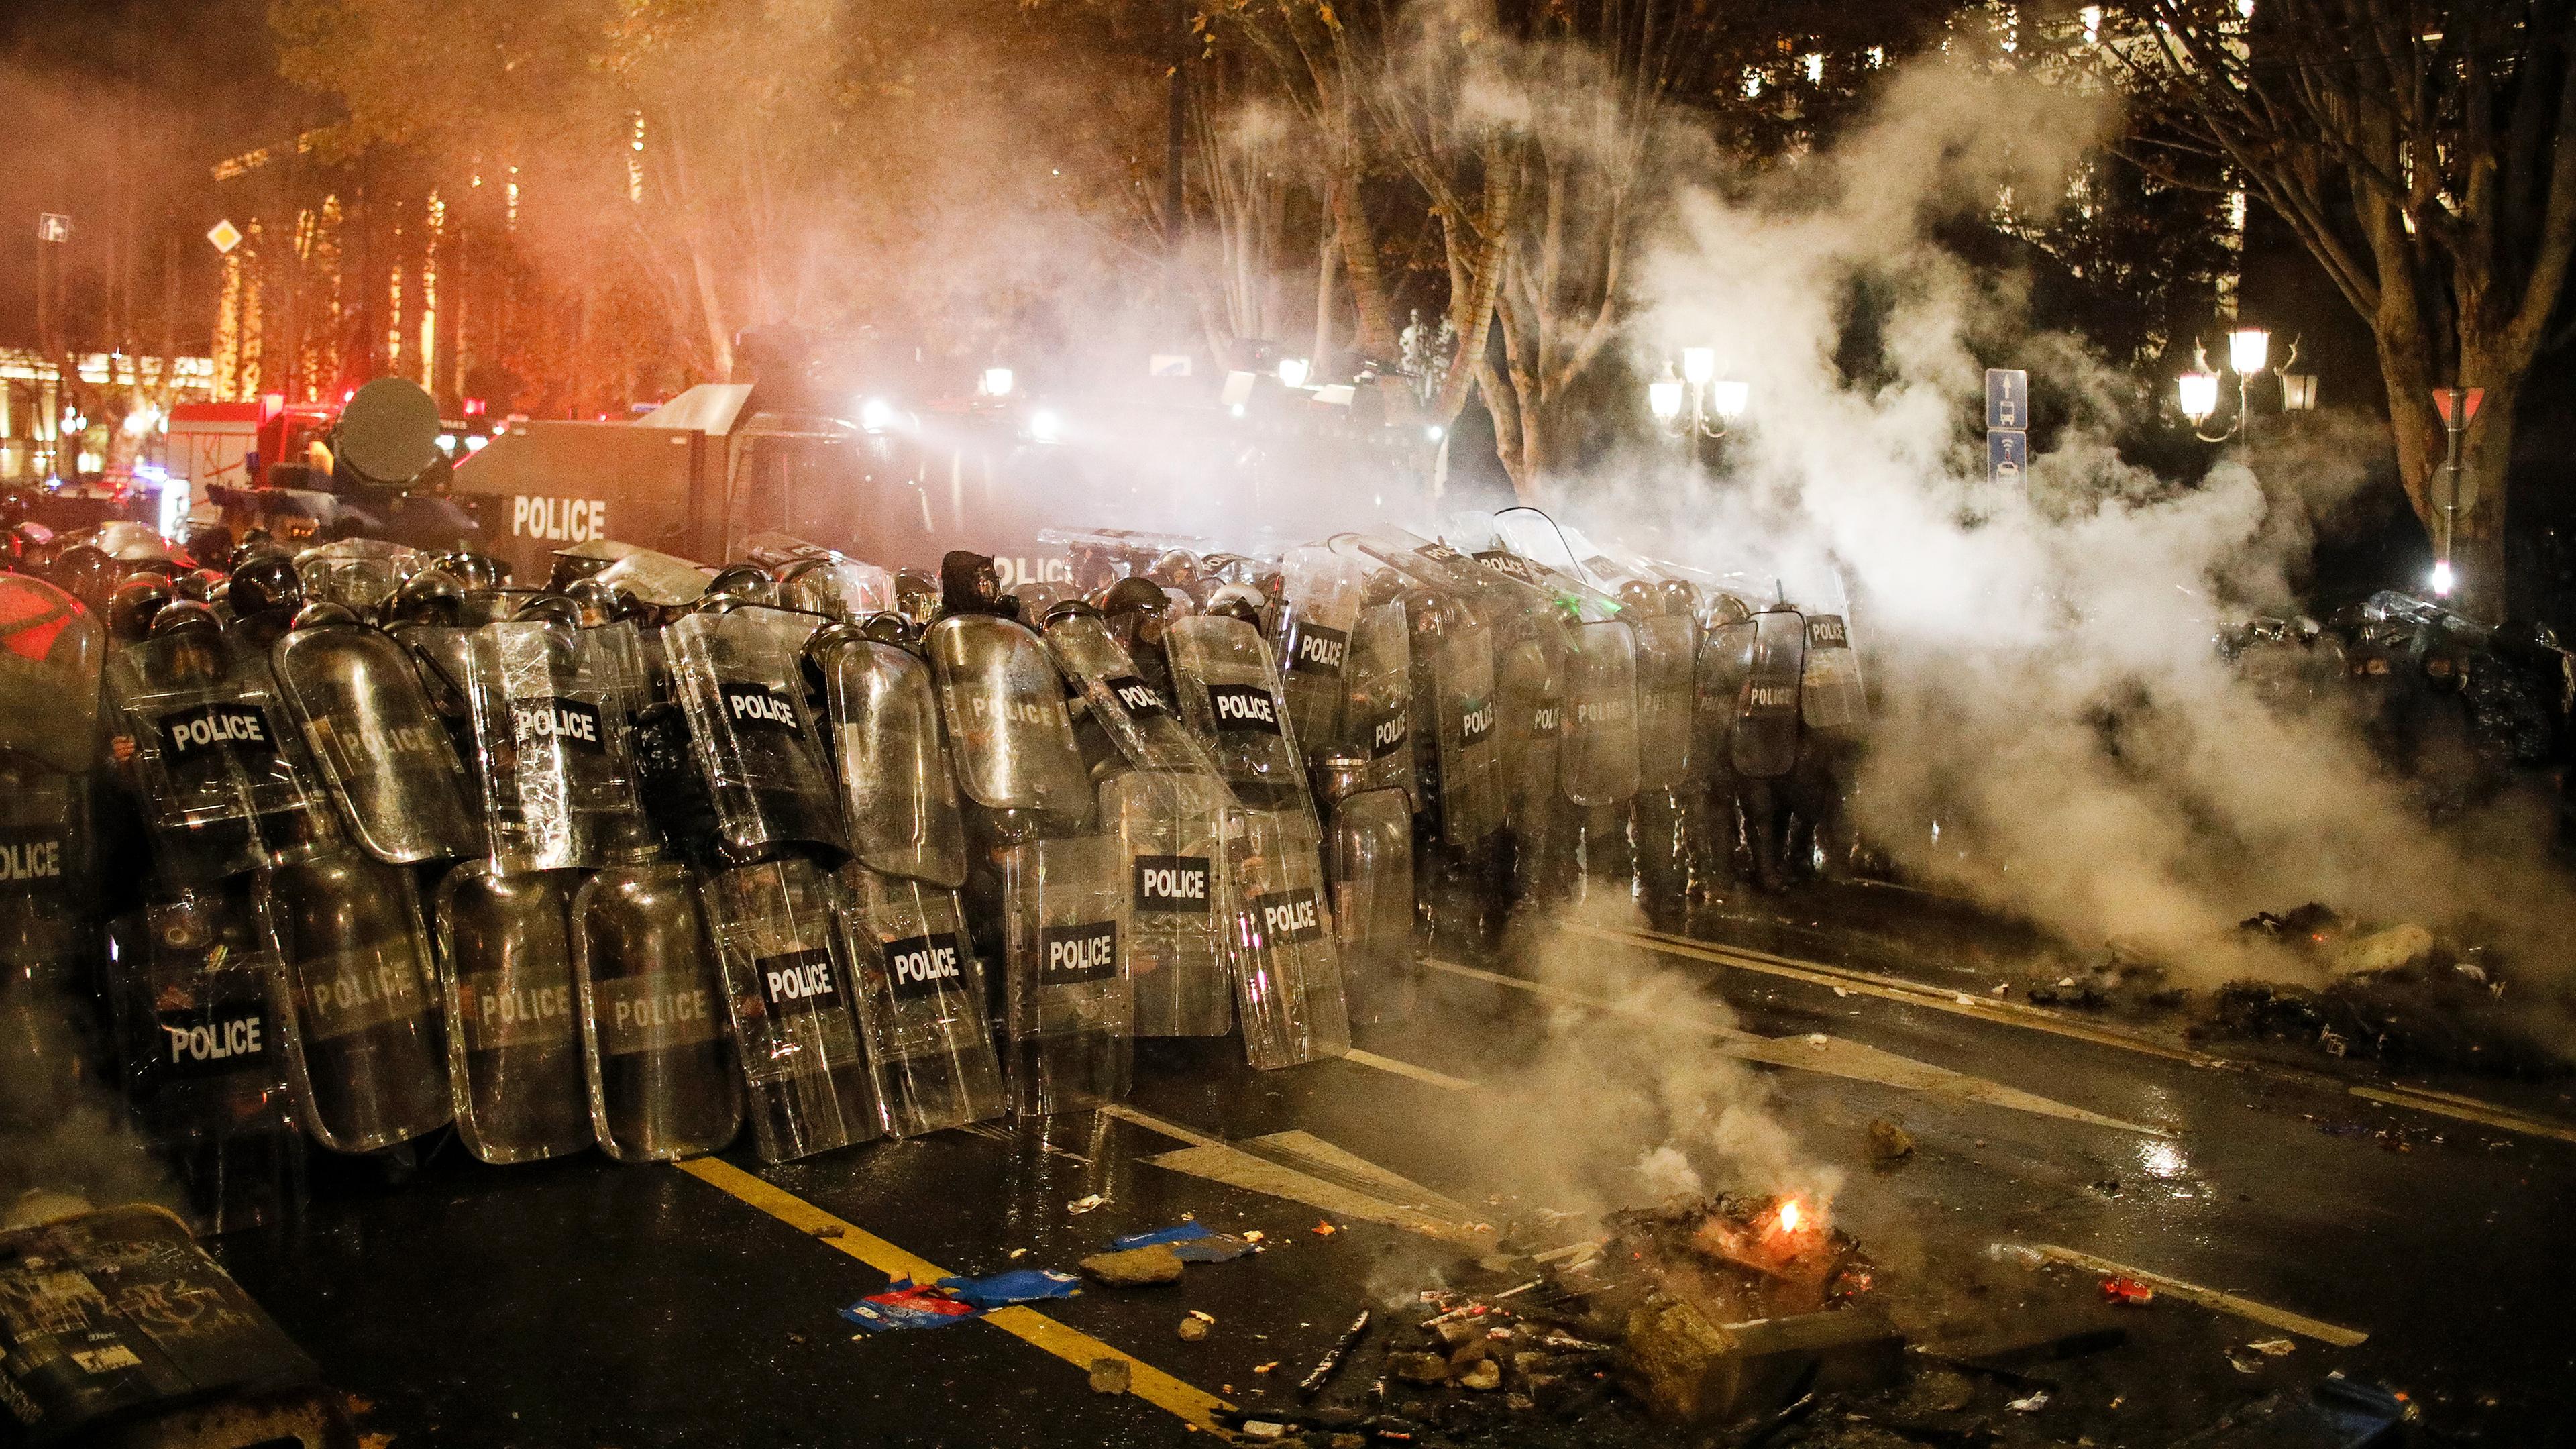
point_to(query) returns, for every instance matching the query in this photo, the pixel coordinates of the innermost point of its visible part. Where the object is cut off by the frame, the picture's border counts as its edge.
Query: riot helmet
(916, 595)
(85, 572)
(478, 571)
(1235, 601)
(1639, 599)
(432, 596)
(198, 584)
(550, 609)
(892, 629)
(131, 607)
(323, 613)
(747, 582)
(969, 584)
(265, 584)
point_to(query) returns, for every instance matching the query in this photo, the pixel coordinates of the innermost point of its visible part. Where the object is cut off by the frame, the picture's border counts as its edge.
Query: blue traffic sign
(2007, 455)
(2007, 397)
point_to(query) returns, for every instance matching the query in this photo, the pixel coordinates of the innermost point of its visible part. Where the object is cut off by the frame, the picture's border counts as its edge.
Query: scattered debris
(1195, 1326)
(1082, 1205)
(1111, 1375)
(1482, 1376)
(1136, 1267)
(1889, 1142)
(1018, 1285)
(2127, 1292)
(2031, 1405)
(2274, 1347)
(826, 1230)
(909, 1305)
(2394, 949)
(1325, 1230)
(1331, 1362)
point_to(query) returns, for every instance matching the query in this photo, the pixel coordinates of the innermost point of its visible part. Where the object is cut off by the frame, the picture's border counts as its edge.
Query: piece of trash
(1323, 1370)
(2274, 1347)
(2127, 1292)
(1083, 1205)
(826, 1230)
(2243, 1362)
(1181, 1234)
(1263, 1429)
(2031, 1405)
(1111, 1375)
(1214, 1248)
(1263, 1368)
(1019, 1285)
(1889, 1142)
(1134, 1268)
(1252, 1235)
(1325, 1230)
(908, 1305)
(1482, 1375)
(1197, 1326)
(2015, 1253)
(1842, 991)
(2001, 988)
(1818, 1040)
(1019, 1253)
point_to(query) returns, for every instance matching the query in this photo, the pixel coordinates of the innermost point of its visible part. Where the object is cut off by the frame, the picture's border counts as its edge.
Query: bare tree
(2424, 152)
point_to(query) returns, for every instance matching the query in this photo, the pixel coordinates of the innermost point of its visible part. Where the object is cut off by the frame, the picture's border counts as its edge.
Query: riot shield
(838, 588)
(795, 1022)
(1597, 760)
(354, 998)
(1130, 711)
(514, 1060)
(49, 878)
(1230, 695)
(740, 676)
(896, 794)
(1287, 967)
(360, 573)
(205, 1065)
(652, 1003)
(1461, 671)
(550, 709)
(1830, 696)
(221, 770)
(50, 653)
(1371, 870)
(1008, 735)
(921, 1002)
(1071, 1011)
(1667, 647)
(392, 768)
(1170, 825)
(1377, 708)
(1319, 606)
(1766, 721)
(1724, 661)
(1529, 684)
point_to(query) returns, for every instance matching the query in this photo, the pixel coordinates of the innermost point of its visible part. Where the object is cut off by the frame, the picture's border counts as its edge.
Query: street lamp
(1698, 403)
(2249, 350)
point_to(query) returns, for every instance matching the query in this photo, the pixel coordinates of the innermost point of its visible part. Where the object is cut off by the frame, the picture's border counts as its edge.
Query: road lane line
(2263, 1313)
(2465, 1109)
(1832, 1056)
(1442, 1080)
(2022, 1014)
(1226, 1163)
(1193, 1405)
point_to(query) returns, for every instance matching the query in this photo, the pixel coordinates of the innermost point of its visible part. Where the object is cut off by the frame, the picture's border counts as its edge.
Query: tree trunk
(1369, 296)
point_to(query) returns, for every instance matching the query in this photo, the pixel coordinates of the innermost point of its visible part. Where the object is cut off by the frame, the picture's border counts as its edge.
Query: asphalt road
(583, 1303)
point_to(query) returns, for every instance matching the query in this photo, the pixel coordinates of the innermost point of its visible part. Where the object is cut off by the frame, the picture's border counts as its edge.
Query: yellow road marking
(1834, 1057)
(1194, 1405)
(2263, 1313)
(1441, 1080)
(2466, 1109)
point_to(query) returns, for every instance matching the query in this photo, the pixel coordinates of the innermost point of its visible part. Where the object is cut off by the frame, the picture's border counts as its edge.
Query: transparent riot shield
(1071, 1010)
(549, 709)
(221, 770)
(1171, 825)
(389, 762)
(1370, 866)
(360, 573)
(1667, 649)
(514, 1059)
(1129, 710)
(740, 677)
(51, 650)
(896, 795)
(1287, 965)
(922, 1002)
(1529, 683)
(354, 998)
(50, 896)
(1766, 720)
(1319, 606)
(1724, 661)
(1377, 708)
(205, 1063)
(1597, 761)
(1009, 736)
(1463, 710)
(1830, 696)
(838, 588)
(1231, 697)
(661, 1079)
(795, 1020)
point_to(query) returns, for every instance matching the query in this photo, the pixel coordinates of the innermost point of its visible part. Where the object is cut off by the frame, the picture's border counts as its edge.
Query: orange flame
(1789, 1216)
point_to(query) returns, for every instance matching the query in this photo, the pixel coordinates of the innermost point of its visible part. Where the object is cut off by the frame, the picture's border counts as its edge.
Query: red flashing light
(347, 393)
(474, 407)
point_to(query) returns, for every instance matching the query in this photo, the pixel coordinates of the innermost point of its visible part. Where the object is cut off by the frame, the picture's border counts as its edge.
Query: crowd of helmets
(354, 842)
